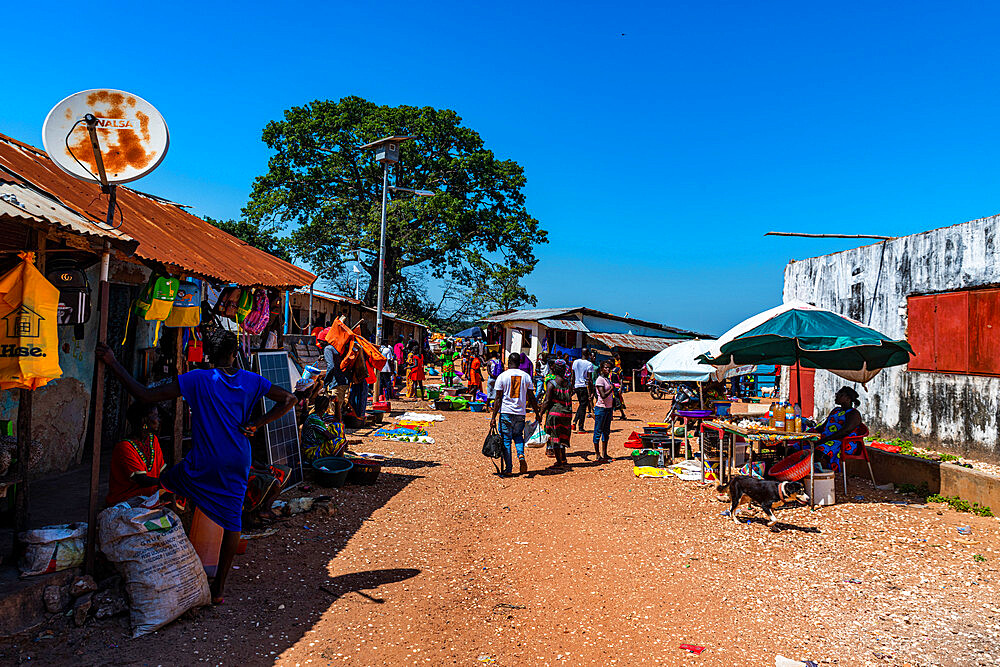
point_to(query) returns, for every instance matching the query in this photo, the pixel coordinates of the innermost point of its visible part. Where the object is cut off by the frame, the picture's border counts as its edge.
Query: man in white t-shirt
(583, 386)
(513, 395)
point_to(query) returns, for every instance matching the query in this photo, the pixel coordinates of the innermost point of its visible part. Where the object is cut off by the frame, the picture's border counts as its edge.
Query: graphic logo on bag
(23, 323)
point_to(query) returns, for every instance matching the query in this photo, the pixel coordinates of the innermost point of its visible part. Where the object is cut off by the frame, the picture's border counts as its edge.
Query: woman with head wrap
(843, 421)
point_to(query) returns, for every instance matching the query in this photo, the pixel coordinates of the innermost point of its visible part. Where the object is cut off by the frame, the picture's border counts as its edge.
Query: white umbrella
(677, 363)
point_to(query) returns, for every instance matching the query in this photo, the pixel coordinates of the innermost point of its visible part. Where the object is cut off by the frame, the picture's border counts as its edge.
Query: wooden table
(752, 435)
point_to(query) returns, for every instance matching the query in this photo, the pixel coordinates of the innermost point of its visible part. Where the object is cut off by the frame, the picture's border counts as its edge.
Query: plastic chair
(844, 456)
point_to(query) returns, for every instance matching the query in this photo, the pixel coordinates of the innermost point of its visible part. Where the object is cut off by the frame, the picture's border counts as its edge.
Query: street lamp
(386, 152)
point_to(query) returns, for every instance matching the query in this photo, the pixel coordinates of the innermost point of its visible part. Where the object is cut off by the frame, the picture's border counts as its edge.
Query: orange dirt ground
(444, 563)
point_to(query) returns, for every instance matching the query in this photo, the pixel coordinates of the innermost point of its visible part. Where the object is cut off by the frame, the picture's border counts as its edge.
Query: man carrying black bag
(513, 395)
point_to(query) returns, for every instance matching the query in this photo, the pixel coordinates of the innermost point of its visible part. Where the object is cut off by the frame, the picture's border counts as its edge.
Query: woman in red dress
(475, 373)
(136, 463)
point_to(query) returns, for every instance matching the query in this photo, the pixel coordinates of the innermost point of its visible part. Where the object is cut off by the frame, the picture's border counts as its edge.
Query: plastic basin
(336, 470)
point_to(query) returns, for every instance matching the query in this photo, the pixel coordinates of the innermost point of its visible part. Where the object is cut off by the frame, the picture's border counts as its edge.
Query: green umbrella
(798, 333)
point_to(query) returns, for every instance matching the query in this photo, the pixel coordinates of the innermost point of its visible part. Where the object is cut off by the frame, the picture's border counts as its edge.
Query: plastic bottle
(779, 418)
(798, 418)
(770, 415)
(789, 417)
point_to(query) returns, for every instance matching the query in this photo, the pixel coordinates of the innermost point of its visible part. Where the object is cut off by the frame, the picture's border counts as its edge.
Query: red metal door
(808, 376)
(951, 332)
(984, 331)
(920, 332)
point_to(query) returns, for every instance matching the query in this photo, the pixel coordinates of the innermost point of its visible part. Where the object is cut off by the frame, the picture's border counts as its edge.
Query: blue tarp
(471, 332)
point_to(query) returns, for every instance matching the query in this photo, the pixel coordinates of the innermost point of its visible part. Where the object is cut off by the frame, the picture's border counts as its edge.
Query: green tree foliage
(262, 237)
(473, 240)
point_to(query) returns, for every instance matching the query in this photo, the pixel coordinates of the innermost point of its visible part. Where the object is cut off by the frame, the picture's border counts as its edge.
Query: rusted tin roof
(23, 202)
(164, 231)
(633, 342)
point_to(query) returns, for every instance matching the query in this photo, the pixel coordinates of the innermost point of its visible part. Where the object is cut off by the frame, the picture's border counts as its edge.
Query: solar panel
(283, 433)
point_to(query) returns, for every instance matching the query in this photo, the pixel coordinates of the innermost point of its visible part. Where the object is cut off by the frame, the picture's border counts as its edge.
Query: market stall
(798, 334)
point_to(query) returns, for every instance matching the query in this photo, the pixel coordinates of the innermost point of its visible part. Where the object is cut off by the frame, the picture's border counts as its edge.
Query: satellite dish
(131, 134)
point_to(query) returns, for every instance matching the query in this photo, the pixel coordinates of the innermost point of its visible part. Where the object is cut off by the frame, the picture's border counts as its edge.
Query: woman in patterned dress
(557, 405)
(844, 421)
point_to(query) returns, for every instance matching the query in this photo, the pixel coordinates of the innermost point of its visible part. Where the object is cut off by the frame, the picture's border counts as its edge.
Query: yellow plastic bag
(29, 340)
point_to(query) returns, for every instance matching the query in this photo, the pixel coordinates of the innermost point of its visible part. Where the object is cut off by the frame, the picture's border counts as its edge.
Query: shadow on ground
(279, 591)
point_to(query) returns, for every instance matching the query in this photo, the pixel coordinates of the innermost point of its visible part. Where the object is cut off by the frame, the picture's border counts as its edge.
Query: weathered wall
(960, 413)
(60, 408)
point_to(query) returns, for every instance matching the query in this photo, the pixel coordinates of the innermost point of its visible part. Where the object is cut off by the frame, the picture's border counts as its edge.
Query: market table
(752, 435)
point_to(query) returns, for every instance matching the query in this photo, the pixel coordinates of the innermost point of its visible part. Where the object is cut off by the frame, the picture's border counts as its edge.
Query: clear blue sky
(656, 159)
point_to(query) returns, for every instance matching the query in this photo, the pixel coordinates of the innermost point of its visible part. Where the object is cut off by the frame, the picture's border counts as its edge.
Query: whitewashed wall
(956, 412)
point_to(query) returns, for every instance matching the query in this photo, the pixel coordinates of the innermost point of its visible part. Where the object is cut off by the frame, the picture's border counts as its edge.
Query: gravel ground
(444, 563)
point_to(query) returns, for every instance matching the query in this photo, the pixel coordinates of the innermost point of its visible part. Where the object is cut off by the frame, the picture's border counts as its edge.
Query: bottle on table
(779, 418)
(798, 418)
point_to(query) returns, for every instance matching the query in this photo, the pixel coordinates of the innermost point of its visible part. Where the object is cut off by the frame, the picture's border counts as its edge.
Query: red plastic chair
(844, 456)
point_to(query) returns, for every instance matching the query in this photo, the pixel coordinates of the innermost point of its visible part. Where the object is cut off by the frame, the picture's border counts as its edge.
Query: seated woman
(842, 422)
(320, 438)
(136, 463)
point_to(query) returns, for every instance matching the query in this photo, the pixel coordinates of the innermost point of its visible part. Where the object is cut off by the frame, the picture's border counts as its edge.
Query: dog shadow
(781, 526)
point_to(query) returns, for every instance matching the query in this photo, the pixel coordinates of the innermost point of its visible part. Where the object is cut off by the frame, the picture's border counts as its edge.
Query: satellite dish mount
(110, 189)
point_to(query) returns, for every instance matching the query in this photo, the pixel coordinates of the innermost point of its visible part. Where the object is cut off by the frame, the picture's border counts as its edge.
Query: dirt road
(444, 563)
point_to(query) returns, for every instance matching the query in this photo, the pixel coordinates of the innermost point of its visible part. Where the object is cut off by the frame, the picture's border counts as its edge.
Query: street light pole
(387, 153)
(381, 262)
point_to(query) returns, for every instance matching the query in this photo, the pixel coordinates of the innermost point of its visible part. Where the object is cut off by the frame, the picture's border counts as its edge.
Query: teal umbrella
(800, 334)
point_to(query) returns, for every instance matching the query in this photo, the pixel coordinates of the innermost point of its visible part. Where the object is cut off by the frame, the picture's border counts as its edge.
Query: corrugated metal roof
(530, 315)
(165, 232)
(565, 325)
(340, 298)
(26, 203)
(633, 342)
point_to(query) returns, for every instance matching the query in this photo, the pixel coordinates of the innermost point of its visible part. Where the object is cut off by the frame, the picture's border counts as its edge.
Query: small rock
(81, 608)
(56, 598)
(109, 603)
(84, 584)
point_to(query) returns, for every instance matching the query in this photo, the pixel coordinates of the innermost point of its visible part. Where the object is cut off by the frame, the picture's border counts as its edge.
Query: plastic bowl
(337, 470)
(476, 406)
(694, 414)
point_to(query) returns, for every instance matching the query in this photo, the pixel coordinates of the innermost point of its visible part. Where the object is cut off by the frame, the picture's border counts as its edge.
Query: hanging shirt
(388, 354)
(214, 473)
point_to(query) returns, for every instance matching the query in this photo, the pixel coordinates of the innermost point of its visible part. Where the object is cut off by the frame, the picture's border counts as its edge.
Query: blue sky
(656, 159)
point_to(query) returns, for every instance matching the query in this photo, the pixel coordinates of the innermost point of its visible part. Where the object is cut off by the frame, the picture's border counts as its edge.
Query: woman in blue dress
(842, 422)
(213, 475)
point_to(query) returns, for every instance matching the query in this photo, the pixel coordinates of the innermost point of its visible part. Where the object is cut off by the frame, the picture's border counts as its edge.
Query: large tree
(472, 242)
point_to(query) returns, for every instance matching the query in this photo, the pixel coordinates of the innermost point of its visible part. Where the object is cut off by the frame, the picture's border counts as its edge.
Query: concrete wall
(959, 413)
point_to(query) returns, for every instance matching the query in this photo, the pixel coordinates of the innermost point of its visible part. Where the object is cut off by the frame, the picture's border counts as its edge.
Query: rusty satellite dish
(105, 136)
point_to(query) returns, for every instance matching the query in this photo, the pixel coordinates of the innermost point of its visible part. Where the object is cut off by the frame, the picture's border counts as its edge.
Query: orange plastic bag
(29, 340)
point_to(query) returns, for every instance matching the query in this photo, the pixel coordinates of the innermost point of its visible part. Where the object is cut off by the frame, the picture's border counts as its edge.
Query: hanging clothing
(213, 475)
